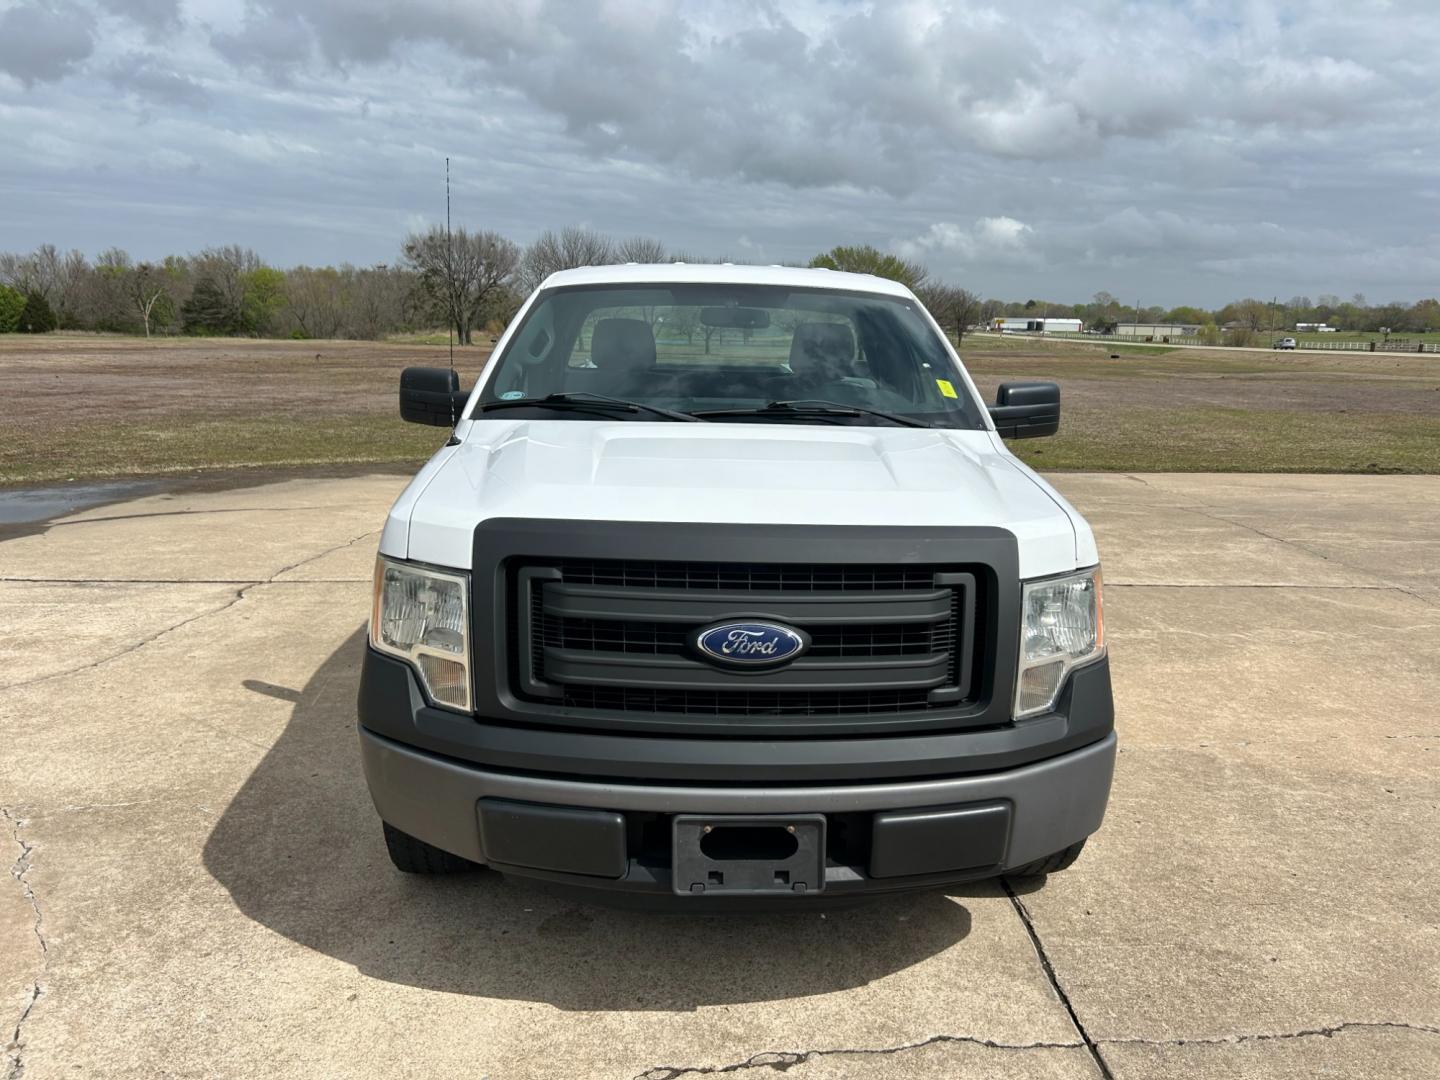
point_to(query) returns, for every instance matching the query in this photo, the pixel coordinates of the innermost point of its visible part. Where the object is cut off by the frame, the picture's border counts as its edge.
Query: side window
(529, 354)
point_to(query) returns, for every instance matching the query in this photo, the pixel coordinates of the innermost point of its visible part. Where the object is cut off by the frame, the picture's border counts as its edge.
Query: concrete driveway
(198, 886)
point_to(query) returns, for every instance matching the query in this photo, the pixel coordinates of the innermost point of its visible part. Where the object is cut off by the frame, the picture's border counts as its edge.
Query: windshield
(730, 353)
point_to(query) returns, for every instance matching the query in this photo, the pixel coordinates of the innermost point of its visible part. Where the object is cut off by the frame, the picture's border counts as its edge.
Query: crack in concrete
(1250, 585)
(18, 870)
(17, 1059)
(316, 558)
(1049, 969)
(148, 639)
(1207, 512)
(785, 1060)
(151, 638)
(1328, 1031)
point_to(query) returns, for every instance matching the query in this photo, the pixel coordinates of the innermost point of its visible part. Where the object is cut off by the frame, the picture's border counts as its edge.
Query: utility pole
(450, 271)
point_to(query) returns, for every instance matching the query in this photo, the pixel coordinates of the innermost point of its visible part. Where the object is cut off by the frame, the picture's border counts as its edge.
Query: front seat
(624, 351)
(822, 353)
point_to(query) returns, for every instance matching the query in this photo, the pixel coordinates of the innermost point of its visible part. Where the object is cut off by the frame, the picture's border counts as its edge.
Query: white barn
(1037, 326)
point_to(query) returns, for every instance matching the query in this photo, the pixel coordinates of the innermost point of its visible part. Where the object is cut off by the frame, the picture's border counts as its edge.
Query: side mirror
(430, 395)
(1026, 410)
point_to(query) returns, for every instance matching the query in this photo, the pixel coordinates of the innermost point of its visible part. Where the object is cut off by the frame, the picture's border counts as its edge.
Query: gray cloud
(155, 16)
(42, 41)
(1199, 151)
(273, 42)
(872, 96)
(146, 78)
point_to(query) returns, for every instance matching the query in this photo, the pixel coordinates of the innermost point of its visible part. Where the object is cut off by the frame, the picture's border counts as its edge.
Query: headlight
(422, 616)
(1062, 625)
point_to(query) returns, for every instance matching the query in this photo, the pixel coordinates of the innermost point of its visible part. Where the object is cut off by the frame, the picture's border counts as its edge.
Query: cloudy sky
(1166, 152)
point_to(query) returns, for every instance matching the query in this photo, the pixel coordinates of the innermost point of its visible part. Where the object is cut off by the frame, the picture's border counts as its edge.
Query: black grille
(660, 639)
(615, 636)
(747, 702)
(744, 576)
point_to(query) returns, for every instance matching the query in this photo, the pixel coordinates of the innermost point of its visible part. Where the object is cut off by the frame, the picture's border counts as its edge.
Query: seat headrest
(826, 349)
(622, 343)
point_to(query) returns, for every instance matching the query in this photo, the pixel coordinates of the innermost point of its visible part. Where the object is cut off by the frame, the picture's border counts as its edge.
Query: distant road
(1178, 345)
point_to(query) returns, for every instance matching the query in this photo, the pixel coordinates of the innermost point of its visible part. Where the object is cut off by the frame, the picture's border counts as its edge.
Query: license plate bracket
(748, 854)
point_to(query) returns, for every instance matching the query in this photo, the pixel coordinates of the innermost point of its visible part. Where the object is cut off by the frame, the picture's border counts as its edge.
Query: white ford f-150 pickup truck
(725, 587)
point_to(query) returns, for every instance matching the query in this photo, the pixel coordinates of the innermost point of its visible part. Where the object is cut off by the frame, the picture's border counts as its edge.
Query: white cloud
(993, 239)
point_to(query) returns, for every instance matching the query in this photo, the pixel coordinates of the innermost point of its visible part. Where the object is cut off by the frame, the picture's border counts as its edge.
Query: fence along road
(1304, 346)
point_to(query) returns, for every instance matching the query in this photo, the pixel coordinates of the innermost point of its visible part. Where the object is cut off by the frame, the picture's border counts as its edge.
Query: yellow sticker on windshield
(946, 388)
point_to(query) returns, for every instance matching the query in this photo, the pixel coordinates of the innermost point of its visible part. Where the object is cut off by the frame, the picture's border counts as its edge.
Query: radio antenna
(450, 284)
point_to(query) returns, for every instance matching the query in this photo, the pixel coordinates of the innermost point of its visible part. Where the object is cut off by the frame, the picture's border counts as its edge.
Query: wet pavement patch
(30, 510)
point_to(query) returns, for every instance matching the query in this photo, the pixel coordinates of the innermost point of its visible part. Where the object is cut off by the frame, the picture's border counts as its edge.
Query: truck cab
(726, 589)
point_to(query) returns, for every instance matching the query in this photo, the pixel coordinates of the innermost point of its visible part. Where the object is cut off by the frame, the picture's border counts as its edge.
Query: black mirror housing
(431, 396)
(1026, 410)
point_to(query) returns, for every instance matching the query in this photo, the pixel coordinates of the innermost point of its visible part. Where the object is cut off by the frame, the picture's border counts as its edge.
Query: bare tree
(58, 278)
(126, 290)
(462, 273)
(1255, 314)
(571, 247)
(640, 249)
(381, 300)
(954, 308)
(104, 299)
(229, 269)
(146, 285)
(315, 298)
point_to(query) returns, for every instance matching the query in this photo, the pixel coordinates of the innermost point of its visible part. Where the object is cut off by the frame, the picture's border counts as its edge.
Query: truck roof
(724, 273)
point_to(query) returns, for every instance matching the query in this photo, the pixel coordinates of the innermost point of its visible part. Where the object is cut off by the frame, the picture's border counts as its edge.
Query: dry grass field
(1195, 410)
(88, 406)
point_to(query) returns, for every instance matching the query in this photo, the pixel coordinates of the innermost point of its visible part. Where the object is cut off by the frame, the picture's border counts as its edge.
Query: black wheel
(1051, 864)
(417, 857)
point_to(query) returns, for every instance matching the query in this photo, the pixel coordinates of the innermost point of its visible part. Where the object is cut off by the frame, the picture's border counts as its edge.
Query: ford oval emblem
(750, 644)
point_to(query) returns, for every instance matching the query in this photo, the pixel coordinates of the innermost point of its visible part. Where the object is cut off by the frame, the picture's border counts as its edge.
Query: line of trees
(476, 280)
(467, 281)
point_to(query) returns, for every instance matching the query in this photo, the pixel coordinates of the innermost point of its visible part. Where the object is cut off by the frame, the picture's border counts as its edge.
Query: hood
(800, 474)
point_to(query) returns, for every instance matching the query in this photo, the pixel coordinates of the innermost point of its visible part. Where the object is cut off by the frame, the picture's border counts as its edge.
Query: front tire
(1050, 864)
(413, 856)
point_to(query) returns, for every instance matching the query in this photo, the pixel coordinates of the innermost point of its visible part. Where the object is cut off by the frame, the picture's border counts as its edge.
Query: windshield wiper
(583, 400)
(815, 407)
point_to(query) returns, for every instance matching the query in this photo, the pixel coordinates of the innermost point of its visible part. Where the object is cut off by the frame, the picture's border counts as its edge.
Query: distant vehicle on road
(1284, 343)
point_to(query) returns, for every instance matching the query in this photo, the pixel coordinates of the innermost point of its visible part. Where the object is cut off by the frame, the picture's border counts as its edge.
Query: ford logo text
(750, 644)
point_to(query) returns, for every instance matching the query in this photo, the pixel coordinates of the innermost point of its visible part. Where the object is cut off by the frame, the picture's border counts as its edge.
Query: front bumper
(601, 833)
(1050, 804)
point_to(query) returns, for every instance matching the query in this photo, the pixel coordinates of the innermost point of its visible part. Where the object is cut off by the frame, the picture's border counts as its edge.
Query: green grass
(438, 337)
(187, 442)
(209, 405)
(1029, 343)
(1237, 440)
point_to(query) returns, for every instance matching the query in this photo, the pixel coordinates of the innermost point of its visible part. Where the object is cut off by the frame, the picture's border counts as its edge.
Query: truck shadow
(300, 851)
